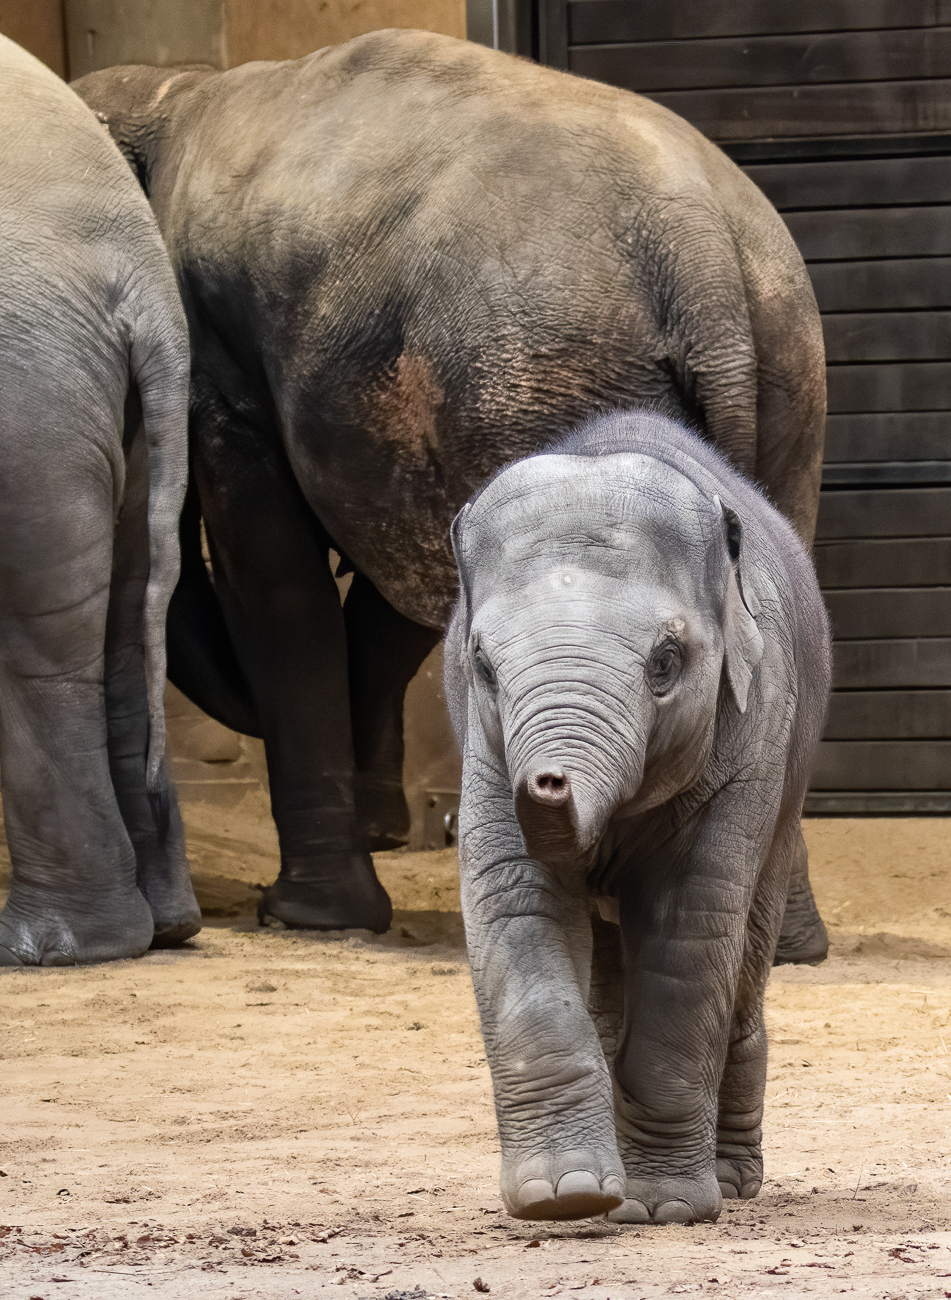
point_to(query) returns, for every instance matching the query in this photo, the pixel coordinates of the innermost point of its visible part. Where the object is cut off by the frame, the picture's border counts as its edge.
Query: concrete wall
(37, 25)
(286, 29)
(101, 33)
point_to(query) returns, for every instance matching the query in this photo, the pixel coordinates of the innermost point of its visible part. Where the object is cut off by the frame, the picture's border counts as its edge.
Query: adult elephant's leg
(157, 834)
(529, 938)
(280, 601)
(803, 939)
(384, 652)
(73, 895)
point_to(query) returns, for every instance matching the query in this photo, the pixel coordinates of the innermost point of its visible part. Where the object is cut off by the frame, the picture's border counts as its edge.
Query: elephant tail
(201, 659)
(160, 369)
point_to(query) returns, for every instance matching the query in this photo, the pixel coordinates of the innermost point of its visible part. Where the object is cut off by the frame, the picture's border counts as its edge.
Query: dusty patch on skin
(281, 1112)
(163, 88)
(402, 409)
(407, 554)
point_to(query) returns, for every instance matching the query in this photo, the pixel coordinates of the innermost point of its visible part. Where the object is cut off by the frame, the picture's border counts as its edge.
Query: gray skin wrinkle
(93, 452)
(406, 261)
(637, 667)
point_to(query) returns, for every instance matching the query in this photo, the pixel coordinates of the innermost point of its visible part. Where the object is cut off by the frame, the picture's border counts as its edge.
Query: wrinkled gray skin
(638, 669)
(406, 261)
(92, 337)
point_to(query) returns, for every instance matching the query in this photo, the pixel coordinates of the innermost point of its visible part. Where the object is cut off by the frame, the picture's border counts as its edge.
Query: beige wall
(286, 29)
(101, 33)
(37, 25)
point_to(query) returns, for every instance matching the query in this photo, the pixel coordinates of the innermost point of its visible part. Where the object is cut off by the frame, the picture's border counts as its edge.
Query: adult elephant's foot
(803, 939)
(739, 1176)
(575, 1185)
(669, 1200)
(334, 892)
(382, 812)
(48, 932)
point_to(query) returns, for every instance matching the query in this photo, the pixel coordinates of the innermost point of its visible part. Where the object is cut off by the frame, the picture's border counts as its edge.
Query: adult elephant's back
(442, 257)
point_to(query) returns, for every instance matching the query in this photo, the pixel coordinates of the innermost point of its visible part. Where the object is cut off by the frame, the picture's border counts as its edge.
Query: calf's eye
(484, 668)
(663, 667)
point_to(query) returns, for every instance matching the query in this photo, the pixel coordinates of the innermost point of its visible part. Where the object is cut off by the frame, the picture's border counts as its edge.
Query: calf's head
(604, 605)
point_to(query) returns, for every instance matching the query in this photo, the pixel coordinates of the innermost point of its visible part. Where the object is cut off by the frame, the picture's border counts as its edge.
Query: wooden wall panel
(227, 32)
(37, 25)
(774, 111)
(889, 612)
(888, 336)
(920, 512)
(898, 282)
(884, 562)
(854, 182)
(913, 387)
(650, 66)
(622, 20)
(892, 665)
(872, 232)
(889, 436)
(883, 765)
(288, 29)
(889, 715)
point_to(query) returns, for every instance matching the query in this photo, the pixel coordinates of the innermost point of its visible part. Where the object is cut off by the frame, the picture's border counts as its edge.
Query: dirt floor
(285, 1114)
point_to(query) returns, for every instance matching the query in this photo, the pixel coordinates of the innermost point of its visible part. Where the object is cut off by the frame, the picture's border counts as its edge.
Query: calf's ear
(742, 641)
(465, 605)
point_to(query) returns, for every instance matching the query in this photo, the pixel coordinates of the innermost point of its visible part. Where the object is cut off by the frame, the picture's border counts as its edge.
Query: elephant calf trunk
(550, 786)
(546, 811)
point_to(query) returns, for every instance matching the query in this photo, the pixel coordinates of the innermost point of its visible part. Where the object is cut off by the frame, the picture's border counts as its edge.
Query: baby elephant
(638, 668)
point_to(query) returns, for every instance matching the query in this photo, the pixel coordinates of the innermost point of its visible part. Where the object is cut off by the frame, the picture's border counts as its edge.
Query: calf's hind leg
(743, 1085)
(803, 938)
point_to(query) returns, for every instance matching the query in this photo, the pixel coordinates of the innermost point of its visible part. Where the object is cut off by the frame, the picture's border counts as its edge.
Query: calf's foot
(669, 1200)
(569, 1185)
(176, 915)
(803, 940)
(38, 930)
(164, 879)
(740, 1174)
(335, 892)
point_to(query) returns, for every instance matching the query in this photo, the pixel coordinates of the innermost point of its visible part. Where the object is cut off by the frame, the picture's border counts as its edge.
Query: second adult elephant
(406, 261)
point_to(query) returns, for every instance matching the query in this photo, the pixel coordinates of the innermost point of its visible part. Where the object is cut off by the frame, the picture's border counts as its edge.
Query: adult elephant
(93, 464)
(406, 261)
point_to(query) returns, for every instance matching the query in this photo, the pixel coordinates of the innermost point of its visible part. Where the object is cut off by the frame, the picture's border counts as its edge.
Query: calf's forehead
(548, 503)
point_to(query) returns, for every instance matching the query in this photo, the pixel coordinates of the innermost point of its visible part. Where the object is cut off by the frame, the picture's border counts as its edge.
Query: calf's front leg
(529, 939)
(683, 925)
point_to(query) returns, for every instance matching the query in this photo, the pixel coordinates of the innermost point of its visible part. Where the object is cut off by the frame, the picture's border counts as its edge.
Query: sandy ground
(284, 1114)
